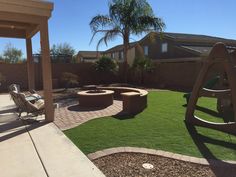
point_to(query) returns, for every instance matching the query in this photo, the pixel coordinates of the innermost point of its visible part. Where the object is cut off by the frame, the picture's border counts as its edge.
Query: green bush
(69, 79)
(106, 64)
(142, 65)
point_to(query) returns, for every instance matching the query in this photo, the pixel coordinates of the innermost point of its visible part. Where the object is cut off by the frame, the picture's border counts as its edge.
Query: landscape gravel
(130, 165)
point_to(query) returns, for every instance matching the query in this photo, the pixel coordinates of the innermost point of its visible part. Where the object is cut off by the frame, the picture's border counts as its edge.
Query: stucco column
(30, 65)
(46, 72)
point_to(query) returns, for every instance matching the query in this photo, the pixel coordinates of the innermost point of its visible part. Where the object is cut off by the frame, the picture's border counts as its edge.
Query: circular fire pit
(96, 98)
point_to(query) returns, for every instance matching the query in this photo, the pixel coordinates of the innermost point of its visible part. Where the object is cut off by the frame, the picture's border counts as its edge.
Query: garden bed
(130, 164)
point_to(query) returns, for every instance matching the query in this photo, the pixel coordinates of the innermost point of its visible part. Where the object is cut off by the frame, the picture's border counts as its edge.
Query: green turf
(160, 126)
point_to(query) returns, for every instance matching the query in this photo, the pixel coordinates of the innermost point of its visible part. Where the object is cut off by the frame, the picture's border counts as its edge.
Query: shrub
(69, 79)
(106, 64)
(142, 65)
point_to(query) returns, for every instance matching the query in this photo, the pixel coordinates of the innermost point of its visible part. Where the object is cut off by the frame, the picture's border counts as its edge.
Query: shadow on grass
(227, 116)
(207, 111)
(123, 116)
(219, 167)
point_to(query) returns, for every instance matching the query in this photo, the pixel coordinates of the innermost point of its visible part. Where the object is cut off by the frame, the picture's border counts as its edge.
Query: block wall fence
(170, 75)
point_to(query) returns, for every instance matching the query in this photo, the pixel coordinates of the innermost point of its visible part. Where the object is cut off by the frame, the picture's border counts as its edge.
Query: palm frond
(149, 23)
(108, 36)
(100, 21)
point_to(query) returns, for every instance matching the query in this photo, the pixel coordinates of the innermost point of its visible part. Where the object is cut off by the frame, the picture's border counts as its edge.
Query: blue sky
(70, 21)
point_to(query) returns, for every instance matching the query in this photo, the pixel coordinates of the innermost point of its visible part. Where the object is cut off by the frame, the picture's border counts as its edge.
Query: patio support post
(30, 65)
(47, 73)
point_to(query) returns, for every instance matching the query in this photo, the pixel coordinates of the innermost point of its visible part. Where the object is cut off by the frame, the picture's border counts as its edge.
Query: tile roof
(197, 38)
(120, 47)
(197, 43)
(89, 54)
(198, 49)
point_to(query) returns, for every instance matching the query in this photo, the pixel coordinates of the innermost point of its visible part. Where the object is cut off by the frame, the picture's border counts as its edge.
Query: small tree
(69, 79)
(106, 64)
(142, 64)
(12, 54)
(62, 49)
(62, 52)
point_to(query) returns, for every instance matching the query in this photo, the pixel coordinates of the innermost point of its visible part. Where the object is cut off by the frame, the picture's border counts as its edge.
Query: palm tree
(125, 17)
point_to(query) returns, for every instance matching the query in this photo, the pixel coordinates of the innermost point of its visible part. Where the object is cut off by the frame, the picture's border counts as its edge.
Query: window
(145, 49)
(164, 47)
(113, 55)
(121, 55)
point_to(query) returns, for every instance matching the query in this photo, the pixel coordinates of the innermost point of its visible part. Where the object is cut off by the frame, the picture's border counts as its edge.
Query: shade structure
(23, 19)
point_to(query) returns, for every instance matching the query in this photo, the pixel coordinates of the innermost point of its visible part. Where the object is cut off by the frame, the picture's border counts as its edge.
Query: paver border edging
(196, 160)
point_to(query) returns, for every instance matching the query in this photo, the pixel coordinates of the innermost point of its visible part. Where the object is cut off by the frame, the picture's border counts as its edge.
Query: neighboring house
(88, 56)
(117, 53)
(62, 58)
(169, 46)
(177, 45)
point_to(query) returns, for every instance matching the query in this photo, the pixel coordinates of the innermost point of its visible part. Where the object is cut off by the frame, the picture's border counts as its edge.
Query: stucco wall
(154, 49)
(178, 74)
(17, 73)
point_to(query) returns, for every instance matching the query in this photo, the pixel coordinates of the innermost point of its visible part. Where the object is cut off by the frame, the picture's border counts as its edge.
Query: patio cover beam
(12, 33)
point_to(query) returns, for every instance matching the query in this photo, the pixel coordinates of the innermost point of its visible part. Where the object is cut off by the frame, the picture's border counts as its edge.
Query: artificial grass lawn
(160, 126)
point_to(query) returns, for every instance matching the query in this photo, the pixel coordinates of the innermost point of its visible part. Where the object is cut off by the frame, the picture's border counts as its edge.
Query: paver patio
(70, 114)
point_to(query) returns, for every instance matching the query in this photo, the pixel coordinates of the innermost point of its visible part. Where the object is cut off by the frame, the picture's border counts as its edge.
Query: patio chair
(25, 105)
(31, 93)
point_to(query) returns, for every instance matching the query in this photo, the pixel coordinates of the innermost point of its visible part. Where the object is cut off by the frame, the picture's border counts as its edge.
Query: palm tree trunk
(126, 46)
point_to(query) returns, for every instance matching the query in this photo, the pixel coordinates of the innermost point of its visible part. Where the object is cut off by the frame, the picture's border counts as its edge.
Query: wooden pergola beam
(30, 7)
(12, 33)
(16, 25)
(22, 18)
(30, 32)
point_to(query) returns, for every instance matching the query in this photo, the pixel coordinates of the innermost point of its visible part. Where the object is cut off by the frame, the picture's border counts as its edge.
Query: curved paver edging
(201, 161)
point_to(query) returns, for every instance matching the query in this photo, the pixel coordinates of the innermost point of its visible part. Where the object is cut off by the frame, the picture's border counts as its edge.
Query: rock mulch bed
(130, 165)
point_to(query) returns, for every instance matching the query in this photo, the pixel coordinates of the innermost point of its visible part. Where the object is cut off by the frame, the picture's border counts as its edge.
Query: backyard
(78, 101)
(160, 126)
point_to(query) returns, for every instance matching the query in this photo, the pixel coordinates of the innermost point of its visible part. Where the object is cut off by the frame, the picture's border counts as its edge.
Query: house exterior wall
(87, 58)
(117, 55)
(131, 56)
(155, 49)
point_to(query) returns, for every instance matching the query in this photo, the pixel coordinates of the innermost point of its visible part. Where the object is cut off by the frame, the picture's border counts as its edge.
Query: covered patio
(23, 19)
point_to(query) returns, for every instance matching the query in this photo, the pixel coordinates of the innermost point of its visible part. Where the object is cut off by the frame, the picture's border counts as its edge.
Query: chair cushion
(39, 104)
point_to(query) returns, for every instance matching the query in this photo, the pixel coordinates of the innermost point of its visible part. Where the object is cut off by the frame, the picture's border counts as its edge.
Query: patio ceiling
(21, 18)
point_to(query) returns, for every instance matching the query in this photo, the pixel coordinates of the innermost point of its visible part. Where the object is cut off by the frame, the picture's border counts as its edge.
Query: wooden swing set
(226, 98)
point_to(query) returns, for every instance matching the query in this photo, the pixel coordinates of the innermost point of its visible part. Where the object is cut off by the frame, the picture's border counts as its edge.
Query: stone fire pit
(95, 98)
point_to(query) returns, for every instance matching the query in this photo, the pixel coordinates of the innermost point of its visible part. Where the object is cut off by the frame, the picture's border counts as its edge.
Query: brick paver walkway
(70, 114)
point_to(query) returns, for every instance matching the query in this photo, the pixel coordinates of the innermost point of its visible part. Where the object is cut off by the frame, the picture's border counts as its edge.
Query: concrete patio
(35, 149)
